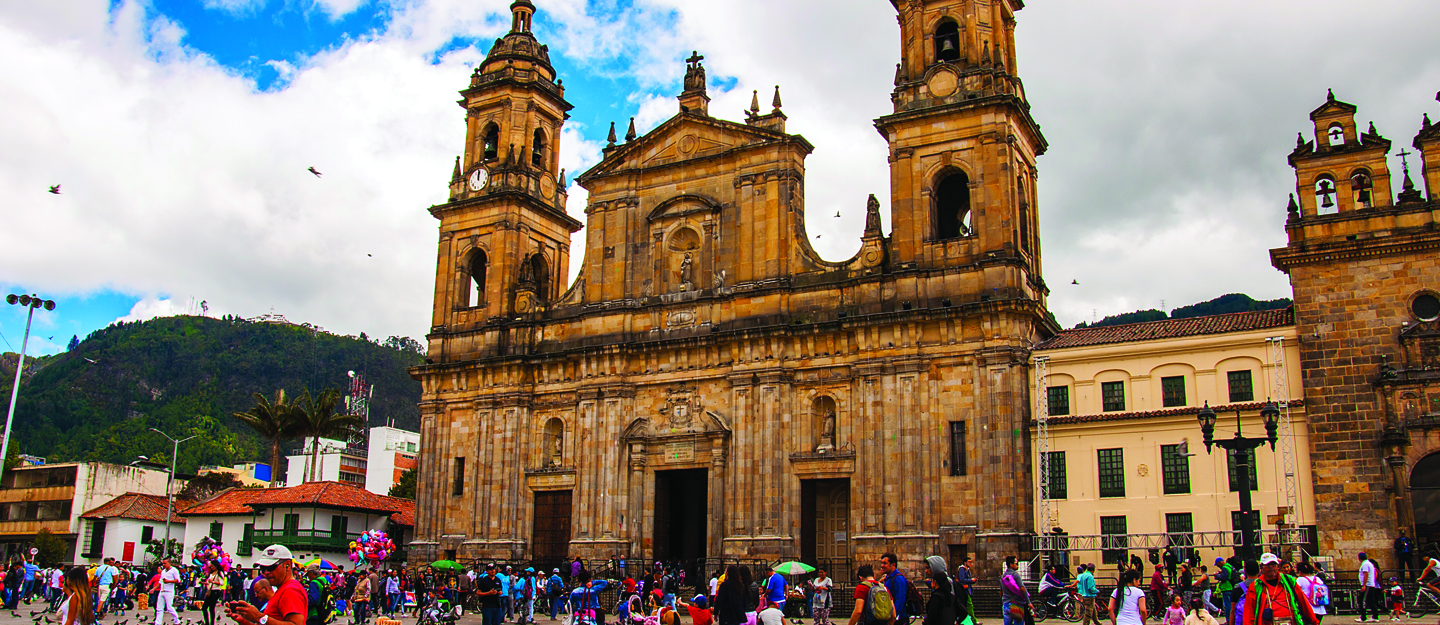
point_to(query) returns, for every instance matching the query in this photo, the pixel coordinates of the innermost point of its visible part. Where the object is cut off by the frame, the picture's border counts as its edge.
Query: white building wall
(120, 532)
(388, 444)
(96, 483)
(267, 519)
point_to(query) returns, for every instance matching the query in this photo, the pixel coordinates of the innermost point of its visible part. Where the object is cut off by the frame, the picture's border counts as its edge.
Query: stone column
(635, 514)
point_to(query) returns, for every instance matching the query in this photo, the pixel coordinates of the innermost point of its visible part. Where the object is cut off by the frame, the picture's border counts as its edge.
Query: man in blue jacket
(898, 586)
(585, 599)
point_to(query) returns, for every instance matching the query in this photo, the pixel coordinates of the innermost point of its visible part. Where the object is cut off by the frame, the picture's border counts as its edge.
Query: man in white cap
(1274, 598)
(288, 605)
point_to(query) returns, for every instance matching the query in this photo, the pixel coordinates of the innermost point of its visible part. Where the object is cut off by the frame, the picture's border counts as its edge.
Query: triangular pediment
(1332, 108)
(681, 138)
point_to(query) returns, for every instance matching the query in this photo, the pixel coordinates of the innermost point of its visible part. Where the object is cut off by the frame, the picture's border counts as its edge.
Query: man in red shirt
(288, 606)
(1275, 592)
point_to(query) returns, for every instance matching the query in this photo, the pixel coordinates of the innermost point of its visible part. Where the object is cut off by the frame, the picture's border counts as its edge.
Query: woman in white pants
(165, 599)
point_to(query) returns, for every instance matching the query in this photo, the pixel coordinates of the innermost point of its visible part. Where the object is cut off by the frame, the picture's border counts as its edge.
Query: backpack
(322, 604)
(879, 605)
(914, 603)
(1227, 574)
(1319, 593)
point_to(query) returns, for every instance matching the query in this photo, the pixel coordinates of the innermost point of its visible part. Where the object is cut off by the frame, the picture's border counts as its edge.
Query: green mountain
(1232, 303)
(186, 376)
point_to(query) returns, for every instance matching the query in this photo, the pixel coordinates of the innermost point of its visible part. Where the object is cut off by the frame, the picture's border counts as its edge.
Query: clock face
(478, 178)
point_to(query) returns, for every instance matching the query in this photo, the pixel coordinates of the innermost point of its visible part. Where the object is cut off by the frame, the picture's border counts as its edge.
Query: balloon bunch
(372, 545)
(209, 553)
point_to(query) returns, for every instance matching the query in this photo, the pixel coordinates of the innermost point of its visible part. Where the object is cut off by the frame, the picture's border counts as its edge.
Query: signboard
(839, 537)
(680, 451)
(34, 550)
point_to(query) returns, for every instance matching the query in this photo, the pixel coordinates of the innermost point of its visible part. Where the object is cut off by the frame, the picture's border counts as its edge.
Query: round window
(1426, 307)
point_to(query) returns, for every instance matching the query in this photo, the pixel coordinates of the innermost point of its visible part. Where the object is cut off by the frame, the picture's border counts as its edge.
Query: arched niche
(1425, 498)
(947, 41)
(553, 450)
(477, 266)
(825, 414)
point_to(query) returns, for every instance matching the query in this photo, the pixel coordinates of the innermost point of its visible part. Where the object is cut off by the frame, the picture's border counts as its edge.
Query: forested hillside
(186, 376)
(1232, 303)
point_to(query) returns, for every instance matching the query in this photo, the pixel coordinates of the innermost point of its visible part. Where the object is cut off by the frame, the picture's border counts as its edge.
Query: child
(1397, 600)
(1175, 614)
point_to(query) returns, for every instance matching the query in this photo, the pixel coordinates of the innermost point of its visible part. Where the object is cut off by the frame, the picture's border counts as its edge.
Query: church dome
(519, 47)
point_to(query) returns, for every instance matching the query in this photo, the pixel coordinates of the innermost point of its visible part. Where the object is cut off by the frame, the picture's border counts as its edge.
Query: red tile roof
(1166, 412)
(137, 506)
(322, 494)
(227, 502)
(1171, 328)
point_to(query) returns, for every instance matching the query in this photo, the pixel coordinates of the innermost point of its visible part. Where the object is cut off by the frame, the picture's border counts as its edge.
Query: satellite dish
(350, 373)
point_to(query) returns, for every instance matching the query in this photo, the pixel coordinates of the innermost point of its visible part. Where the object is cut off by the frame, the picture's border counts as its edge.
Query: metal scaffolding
(1288, 463)
(1188, 540)
(1042, 444)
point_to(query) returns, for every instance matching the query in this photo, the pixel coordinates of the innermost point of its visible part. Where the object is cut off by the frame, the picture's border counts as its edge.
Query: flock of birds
(37, 617)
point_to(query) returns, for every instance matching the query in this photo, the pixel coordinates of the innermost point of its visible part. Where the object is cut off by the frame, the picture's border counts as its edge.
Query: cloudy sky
(181, 130)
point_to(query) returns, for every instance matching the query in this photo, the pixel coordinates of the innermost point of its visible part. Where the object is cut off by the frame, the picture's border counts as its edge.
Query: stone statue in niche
(827, 432)
(686, 272)
(527, 273)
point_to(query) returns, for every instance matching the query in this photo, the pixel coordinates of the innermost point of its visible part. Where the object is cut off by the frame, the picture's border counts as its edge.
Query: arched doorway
(1425, 499)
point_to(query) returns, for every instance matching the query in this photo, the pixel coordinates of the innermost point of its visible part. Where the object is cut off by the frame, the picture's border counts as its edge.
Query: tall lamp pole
(31, 302)
(1244, 449)
(169, 481)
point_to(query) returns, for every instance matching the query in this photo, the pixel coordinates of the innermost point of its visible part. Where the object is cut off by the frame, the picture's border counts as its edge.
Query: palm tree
(318, 419)
(275, 421)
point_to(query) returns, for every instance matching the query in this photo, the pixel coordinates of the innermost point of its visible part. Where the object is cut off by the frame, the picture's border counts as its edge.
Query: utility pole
(169, 490)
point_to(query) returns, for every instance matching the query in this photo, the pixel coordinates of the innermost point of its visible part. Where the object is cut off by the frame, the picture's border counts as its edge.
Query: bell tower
(504, 234)
(963, 146)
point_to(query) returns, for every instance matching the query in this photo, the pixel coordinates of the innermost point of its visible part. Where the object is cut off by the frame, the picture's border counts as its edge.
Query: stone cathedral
(709, 386)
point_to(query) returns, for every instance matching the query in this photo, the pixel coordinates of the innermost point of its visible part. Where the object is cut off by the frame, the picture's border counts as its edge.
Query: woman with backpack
(1313, 588)
(873, 604)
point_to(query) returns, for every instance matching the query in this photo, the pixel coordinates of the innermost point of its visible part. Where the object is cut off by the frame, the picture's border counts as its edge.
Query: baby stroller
(441, 612)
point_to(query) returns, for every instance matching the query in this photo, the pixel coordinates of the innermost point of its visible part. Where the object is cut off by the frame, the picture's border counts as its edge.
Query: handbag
(1017, 611)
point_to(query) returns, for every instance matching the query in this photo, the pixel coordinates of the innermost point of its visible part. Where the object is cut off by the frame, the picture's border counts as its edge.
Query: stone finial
(985, 59)
(1425, 123)
(563, 182)
(1299, 140)
(775, 103)
(1371, 131)
(755, 102)
(1293, 210)
(1329, 95)
(455, 175)
(630, 134)
(510, 155)
(610, 141)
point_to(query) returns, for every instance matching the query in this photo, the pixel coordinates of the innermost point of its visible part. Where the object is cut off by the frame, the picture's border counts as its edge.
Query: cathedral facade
(709, 386)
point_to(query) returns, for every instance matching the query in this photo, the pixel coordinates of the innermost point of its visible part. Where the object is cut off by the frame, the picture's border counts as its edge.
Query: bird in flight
(1074, 282)
(313, 171)
(55, 188)
(837, 214)
(370, 255)
(819, 235)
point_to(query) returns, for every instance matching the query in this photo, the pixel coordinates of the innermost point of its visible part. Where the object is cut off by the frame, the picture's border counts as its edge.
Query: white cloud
(1166, 178)
(337, 9)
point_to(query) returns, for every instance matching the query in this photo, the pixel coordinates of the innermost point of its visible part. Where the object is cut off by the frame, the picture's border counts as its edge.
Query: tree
(74, 342)
(207, 485)
(173, 552)
(404, 487)
(317, 419)
(51, 548)
(275, 421)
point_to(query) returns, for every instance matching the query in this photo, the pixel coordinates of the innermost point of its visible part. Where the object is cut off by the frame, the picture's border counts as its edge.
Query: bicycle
(1431, 604)
(1067, 606)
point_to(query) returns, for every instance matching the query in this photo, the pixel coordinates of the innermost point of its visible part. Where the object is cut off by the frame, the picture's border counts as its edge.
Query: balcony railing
(313, 540)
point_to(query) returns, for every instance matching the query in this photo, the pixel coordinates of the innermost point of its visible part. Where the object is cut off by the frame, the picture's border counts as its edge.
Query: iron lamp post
(169, 483)
(1244, 450)
(30, 302)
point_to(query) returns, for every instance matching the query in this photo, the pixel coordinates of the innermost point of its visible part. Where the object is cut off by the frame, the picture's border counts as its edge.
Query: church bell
(947, 46)
(1327, 202)
(1363, 197)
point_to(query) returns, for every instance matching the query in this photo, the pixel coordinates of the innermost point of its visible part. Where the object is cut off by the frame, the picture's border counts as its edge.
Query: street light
(31, 302)
(1244, 449)
(169, 482)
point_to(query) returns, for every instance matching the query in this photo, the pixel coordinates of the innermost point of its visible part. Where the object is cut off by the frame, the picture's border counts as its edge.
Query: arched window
(537, 150)
(475, 295)
(1336, 134)
(553, 453)
(1425, 498)
(490, 142)
(947, 41)
(952, 206)
(1325, 196)
(824, 413)
(1362, 186)
(540, 273)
